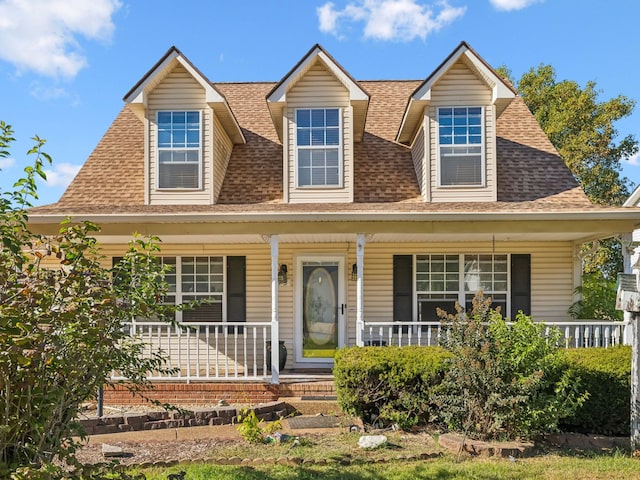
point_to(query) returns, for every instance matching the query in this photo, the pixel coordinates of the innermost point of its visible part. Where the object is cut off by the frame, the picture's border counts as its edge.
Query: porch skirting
(209, 393)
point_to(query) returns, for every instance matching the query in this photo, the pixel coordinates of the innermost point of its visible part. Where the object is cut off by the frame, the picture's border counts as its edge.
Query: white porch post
(275, 331)
(635, 381)
(360, 241)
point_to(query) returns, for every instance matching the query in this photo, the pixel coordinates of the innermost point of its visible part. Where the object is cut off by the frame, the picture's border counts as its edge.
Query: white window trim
(462, 293)
(200, 150)
(179, 293)
(339, 147)
(483, 157)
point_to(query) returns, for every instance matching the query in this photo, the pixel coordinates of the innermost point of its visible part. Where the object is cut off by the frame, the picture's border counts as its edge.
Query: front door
(321, 311)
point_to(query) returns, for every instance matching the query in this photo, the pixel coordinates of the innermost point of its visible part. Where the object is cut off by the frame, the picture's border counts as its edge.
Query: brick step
(210, 393)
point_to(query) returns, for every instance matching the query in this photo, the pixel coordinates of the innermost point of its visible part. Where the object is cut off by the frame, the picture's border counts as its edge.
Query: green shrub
(389, 384)
(605, 374)
(504, 381)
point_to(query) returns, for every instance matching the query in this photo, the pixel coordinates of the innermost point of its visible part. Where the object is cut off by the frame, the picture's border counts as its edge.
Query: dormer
(319, 111)
(189, 132)
(450, 125)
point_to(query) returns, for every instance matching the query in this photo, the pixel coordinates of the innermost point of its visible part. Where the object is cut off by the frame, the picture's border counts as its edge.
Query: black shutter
(520, 284)
(236, 291)
(402, 288)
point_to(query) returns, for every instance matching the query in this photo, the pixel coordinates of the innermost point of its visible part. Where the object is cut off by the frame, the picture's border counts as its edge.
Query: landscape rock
(370, 442)
(110, 451)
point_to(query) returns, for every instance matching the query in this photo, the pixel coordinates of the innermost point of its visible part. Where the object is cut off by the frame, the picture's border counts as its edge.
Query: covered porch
(362, 305)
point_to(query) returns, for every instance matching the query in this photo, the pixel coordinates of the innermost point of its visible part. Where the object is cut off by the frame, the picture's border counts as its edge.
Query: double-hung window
(199, 279)
(319, 147)
(179, 150)
(443, 280)
(216, 282)
(461, 141)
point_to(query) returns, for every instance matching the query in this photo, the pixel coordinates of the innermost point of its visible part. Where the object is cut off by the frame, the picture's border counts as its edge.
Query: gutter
(271, 217)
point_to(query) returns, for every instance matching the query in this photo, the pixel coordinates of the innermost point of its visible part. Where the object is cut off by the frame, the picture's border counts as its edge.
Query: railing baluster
(235, 352)
(217, 338)
(207, 336)
(255, 360)
(264, 350)
(244, 349)
(226, 353)
(198, 351)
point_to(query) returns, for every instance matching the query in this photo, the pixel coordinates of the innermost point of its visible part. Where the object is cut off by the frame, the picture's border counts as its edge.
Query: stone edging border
(291, 461)
(223, 415)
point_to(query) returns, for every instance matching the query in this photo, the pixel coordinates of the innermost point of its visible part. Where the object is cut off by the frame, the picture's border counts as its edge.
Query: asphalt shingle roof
(531, 175)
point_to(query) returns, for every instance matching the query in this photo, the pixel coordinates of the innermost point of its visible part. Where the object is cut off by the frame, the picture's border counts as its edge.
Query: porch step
(313, 407)
(307, 388)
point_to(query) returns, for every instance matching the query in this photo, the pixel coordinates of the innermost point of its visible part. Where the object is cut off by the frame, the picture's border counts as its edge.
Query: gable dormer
(450, 124)
(189, 132)
(319, 111)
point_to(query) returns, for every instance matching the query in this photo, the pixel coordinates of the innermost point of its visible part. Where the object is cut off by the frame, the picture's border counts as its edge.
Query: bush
(389, 384)
(605, 374)
(62, 318)
(504, 381)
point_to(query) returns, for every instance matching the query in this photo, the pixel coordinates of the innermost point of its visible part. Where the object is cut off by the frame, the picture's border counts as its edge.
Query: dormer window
(319, 147)
(179, 150)
(461, 146)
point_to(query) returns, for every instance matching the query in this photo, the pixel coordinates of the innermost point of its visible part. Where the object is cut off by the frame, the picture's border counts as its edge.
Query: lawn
(614, 466)
(337, 456)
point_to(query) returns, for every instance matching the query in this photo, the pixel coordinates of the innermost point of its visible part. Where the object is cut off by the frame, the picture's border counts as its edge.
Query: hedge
(605, 374)
(390, 384)
(396, 385)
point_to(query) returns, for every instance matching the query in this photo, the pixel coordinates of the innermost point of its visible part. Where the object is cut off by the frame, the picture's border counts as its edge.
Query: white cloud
(634, 160)
(512, 4)
(43, 35)
(402, 20)
(7, 163)
(43, 92)
(61, 174)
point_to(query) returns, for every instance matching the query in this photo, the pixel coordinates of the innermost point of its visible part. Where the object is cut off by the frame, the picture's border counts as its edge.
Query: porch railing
(575, 334)
(207, 351)
(239, 350)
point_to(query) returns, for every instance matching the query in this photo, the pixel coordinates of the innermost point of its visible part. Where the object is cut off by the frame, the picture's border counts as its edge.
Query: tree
(63, 318)
(582, 129)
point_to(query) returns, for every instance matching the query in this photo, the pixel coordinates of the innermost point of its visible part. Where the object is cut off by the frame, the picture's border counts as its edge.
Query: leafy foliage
(250, 427)
(582, 128)
(504, 381)
(390, 384)
(605, 374)
(63, 318)
(597, 300)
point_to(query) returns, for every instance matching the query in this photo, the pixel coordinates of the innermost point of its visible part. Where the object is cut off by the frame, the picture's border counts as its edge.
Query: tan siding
(418, 156)
(320, 89)
(551, 274)
(461, 87)
(179, 91)
(222, 147)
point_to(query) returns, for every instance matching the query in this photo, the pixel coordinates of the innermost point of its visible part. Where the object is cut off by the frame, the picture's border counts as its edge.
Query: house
(325, 211)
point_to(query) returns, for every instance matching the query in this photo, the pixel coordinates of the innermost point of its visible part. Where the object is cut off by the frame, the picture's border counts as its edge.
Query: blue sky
(66, 64)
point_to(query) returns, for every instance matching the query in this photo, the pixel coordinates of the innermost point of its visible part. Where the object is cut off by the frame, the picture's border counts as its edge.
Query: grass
(549, 467)
(340, 447)
(345, 461)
